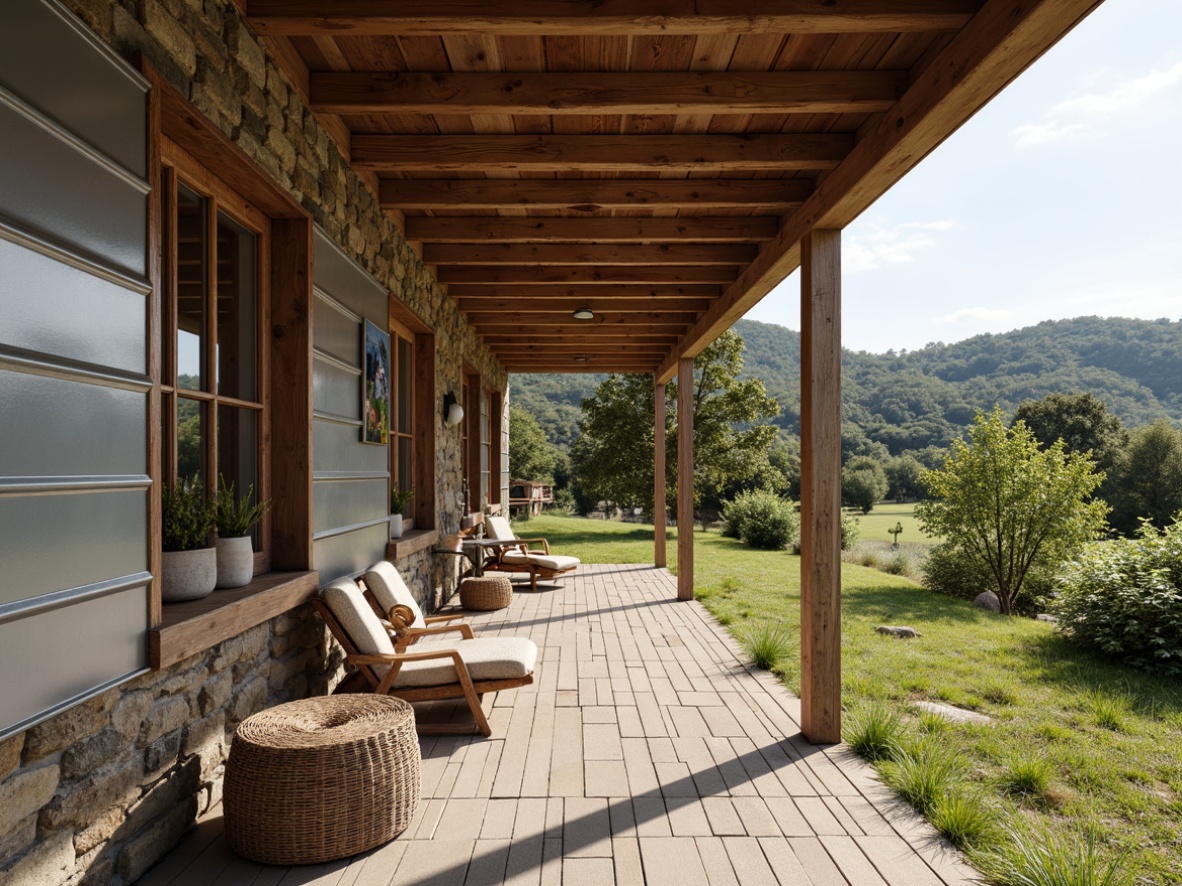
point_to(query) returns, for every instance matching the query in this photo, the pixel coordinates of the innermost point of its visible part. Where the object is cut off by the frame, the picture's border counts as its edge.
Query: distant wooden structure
(529, 496)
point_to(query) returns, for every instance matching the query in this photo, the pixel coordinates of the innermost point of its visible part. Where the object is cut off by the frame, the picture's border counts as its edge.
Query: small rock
(902, 633)
(988, 600)
(954, 715)
(1042, 616)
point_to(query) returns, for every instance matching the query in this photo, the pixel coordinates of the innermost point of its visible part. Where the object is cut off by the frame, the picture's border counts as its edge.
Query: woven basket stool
(321, 778)
(487, 592)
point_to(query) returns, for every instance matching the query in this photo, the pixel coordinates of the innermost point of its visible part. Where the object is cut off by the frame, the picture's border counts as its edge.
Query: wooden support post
(659, 474)
(820, 487)
(685, 478)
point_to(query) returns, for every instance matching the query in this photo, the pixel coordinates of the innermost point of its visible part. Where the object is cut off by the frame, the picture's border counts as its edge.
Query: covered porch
(646, 752)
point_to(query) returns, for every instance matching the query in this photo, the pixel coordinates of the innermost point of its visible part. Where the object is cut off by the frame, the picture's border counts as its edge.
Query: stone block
(216, 692)
(282, 149)
(182, 681)
(48, 863)
(128, 716)
(229, 651)
(24, 793)
(19, 839)
(218, 88)
(162, 754)
(165, 716)
(206, 740)
(247, 52)
(99, 871)
(92, 753)
(171, 36)
(183, 782)
(82, 803)
(65, 729)
(250, 697)
(10, 754)
(100, 830)
(148, 847)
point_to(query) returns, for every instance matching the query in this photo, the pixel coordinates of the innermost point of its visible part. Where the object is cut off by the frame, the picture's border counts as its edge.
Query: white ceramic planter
(395, 526)
(188, 575)
(235, 558)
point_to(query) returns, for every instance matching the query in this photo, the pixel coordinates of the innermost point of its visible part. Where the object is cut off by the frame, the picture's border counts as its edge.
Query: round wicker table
(486, 592)
(321, 778)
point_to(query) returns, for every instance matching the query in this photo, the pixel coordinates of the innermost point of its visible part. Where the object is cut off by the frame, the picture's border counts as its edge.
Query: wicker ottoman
(487, 592)
(322, 778)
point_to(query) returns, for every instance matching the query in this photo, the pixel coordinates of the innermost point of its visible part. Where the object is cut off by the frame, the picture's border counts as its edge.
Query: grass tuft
(1110, 711)
(873, 731)
(1026, 776)
(925, 771)
(966, 819)
(1033, 856)
(767, 643)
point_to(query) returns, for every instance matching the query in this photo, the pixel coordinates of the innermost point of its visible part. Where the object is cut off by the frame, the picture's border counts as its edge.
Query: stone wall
(102, 791)
(97, 794)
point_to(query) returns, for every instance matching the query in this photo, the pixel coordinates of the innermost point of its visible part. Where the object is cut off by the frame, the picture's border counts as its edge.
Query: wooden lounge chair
(516, 556)
(466, 669)
(385, 589)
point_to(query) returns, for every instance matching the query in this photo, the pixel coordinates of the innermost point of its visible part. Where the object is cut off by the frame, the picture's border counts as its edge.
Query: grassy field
(875, 525)
(1078, 745)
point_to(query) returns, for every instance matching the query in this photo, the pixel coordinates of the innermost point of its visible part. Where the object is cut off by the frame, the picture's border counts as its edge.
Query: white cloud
(882, 247)
(1096, 113)
(975, 315)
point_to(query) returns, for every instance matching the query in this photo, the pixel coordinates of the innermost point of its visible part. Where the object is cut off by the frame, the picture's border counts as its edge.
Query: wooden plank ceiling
(654, 161)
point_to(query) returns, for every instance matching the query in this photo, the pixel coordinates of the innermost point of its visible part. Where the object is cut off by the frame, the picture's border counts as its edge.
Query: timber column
(820, 487)
(659, 474)
(685, 478)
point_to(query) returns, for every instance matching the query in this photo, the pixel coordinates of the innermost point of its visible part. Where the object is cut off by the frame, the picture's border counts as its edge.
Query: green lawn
(875, 525)
(1112, 736)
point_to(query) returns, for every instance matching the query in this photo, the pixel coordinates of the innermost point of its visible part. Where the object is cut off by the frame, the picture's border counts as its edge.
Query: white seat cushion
(356, 618)
(487, 658)
(390, 590)
(543, 561)
(498, 528)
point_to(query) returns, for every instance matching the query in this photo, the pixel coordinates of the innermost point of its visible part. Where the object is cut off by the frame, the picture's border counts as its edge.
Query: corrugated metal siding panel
(73, 365)
(349, 478)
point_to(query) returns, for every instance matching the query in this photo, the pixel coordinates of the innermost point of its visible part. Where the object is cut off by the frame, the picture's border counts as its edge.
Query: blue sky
(1061, 198)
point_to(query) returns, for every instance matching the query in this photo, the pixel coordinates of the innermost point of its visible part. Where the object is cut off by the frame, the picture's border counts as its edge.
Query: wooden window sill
(411, 543)
(196, 625)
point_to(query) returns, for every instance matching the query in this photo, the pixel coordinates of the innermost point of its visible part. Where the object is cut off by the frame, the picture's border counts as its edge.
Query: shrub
(849, 531)
(950, 570)
(1124, 598)
(762, 519)
(872, 731)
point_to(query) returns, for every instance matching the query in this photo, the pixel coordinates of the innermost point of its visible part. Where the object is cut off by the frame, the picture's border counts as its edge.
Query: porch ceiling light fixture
(580, 358)
(583, 314)
(453, 412)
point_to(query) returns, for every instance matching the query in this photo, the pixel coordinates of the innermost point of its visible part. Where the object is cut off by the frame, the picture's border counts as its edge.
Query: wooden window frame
(401, 331)
(425, 421)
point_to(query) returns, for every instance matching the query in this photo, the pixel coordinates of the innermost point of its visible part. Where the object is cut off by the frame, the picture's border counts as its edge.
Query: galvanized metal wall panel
(59, 657)
(70, 423)
(92, 95)
(49, 186)
(94, 320)
(350, 478)
(346, 502)
(74, 379)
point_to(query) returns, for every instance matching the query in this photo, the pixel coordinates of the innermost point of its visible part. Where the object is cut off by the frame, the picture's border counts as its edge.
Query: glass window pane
(191, 434)
(237, 310)
(191, 289)
(404, 473)
(238, 451)
(405, 384)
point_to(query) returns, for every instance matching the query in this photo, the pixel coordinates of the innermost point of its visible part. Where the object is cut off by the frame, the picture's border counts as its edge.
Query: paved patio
(646, 752)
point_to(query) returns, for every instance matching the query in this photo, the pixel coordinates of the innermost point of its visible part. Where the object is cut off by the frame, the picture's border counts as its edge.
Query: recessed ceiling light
(580, 358)
(583, 314)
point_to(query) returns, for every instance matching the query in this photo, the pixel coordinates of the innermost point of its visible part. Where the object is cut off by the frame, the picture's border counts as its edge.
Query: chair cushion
(356, 618)
(498, 528)
(390, 590)
(542, 561)
(487, 658)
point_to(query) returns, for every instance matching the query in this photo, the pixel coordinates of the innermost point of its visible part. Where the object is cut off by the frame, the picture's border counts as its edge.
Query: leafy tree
(1008, 508)
(1147, 481)
(902, 473)
(1081, 421)
(531, 455)
(863, 482)
(613, 456)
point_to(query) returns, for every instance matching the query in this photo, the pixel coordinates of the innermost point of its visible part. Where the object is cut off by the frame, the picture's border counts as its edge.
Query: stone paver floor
(644, 753)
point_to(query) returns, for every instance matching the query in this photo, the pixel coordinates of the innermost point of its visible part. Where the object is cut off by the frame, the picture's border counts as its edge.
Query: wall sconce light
(583, 314)
(453, 412)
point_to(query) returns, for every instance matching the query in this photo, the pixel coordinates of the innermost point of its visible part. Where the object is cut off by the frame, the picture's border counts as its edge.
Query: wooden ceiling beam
(338, 18)
(609, 319)
(600, 255)
(580, 331)
(610, 276)
(476, 293)
(532, 337)
(1001, 41)
(591, 195)
(704, 229)
(599, 153)
(572, 368)
(650, 92)
(585, 348)
(566, 305)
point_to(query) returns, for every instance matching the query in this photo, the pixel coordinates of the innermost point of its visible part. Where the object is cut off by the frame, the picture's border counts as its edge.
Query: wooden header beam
(484, 319)
(612, 337)
(610, 276)
(523, 295)
(532, 306)
(649, 92)
(682, 254)
(593, 195)
(697, 229)
(313, 18)
(999, 43)
(602, 153)
(580, 331)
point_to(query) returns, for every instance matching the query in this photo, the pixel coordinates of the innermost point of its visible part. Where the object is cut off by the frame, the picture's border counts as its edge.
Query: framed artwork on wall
(375, 391)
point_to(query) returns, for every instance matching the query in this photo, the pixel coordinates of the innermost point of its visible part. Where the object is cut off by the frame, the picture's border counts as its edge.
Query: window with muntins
(402, 344)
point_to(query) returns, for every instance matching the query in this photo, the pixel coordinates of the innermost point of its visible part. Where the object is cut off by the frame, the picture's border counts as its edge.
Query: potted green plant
(234, 517)
(189, 567)
(398, 503)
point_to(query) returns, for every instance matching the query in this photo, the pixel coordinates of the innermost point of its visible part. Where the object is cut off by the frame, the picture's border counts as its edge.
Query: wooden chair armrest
(530, 541)
(439, 619)
(464, 629)
(398, 659)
